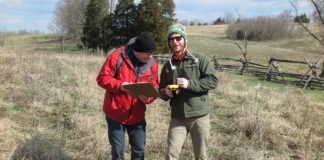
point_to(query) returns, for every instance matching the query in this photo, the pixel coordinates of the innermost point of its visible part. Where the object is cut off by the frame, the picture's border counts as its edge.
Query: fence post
(267, 76)
(217, 65)
(322, 74)
(311, 73)
(244, 65)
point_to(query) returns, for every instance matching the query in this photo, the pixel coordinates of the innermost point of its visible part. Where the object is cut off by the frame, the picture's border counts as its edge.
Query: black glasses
(178, 38)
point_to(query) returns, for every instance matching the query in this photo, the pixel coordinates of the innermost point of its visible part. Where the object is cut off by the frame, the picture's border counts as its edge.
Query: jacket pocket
(115, 101)
(191, 71)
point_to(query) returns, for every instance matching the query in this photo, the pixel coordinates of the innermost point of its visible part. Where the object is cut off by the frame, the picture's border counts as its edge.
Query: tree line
(230, 19)
(99, 25)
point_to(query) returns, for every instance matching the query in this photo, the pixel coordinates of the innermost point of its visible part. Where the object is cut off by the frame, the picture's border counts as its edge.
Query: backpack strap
(119, 62)
(152, 73)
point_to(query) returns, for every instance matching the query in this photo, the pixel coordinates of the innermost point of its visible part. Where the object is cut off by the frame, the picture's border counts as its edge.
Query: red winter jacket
(119, 105)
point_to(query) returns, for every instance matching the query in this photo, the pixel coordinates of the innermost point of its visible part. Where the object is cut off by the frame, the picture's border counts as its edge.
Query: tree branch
(318, 11)
(301, 24)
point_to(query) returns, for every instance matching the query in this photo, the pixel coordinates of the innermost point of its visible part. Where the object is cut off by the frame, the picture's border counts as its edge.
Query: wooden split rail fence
(161, 58)
(269, 72)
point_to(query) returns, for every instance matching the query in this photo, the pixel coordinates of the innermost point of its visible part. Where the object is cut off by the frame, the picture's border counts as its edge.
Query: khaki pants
(198, 127)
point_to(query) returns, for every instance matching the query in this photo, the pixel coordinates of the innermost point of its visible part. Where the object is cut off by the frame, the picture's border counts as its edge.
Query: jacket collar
(180, 58)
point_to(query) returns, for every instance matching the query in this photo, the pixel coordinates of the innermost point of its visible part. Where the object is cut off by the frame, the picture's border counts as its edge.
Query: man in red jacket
(132, 63)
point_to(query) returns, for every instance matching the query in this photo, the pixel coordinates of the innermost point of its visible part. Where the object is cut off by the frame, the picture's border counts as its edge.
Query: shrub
(264, 28)
(302, 18)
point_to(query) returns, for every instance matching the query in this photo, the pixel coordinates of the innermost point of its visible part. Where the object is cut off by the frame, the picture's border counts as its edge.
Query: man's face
(144, 57)
(176, 43)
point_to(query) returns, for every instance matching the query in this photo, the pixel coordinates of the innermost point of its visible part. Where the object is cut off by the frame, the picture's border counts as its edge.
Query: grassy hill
(50, 104)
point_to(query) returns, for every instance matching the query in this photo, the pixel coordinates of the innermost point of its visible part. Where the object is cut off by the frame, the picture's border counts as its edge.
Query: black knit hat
(144, 43)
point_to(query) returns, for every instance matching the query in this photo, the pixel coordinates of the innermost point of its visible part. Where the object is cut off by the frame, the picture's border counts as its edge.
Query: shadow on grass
(39, 147)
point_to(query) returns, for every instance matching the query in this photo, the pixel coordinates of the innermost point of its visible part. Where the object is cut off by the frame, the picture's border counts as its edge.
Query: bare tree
(57, 26)
(69, 18)
(184, 22)
(318, 5)
(229, 18)
(111, 5)
(264, 28)
(318, 14)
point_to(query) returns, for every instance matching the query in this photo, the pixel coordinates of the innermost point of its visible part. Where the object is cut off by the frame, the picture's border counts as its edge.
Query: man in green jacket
(194, 76)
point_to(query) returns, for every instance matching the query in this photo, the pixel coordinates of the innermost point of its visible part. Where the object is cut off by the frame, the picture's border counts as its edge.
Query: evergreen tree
(302, 18)
(92, 31)
(107, 41)
(155, 17)
(168, 7)
(150, 15)
(125, 22)
(128, 20)
(219, 20)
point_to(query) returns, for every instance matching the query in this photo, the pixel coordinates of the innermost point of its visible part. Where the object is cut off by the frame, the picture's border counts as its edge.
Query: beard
(178, 50)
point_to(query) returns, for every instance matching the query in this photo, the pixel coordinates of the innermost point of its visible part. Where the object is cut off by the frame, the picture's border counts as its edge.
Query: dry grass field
(50, 104)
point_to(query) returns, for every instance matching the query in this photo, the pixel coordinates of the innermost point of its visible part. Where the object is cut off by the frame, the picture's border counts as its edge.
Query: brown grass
(212, 41)
(50, 107)
(267, 122)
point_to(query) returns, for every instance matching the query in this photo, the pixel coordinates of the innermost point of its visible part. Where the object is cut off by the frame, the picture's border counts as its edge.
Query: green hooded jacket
(192, 101)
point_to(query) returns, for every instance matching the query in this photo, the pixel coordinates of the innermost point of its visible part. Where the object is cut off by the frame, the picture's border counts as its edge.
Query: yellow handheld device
(173, 87)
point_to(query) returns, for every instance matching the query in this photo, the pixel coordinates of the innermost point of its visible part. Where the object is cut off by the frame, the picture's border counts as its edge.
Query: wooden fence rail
(269, 72)
(161, 58)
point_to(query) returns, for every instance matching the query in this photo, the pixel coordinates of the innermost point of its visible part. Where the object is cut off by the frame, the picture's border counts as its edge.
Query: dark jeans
(136, 135)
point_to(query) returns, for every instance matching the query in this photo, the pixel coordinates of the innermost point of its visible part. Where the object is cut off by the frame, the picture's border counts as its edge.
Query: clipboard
(144, 88)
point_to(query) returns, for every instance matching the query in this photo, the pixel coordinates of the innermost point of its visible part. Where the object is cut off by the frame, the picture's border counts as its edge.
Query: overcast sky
(37, 14)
